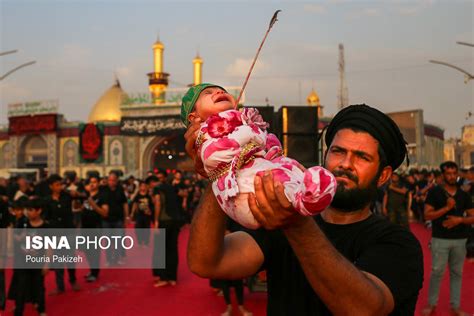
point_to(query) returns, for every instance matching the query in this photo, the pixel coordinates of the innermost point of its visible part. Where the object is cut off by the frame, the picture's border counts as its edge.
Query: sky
(79, 46)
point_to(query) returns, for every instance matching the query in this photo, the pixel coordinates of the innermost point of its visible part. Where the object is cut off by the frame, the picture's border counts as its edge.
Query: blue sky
(79, 45)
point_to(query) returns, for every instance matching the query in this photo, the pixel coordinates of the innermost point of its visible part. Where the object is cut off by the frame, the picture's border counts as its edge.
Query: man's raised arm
(210, 254)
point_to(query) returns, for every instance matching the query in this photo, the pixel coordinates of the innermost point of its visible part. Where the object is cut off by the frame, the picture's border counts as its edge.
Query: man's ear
(385, 175)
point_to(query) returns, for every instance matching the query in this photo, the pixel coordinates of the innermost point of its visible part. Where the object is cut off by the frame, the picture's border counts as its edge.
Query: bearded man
(344, 261)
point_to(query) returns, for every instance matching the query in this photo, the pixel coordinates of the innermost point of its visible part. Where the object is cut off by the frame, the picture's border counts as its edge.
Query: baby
(234, 146)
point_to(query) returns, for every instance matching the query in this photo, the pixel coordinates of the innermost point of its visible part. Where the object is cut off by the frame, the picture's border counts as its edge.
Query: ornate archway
(33, 153)
(166, 153)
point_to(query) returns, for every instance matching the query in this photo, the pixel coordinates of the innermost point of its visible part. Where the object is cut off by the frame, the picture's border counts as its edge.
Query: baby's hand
(190, 136)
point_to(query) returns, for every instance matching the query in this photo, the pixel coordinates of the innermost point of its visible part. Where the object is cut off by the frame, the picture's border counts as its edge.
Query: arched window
(70, 153)
(116, 153)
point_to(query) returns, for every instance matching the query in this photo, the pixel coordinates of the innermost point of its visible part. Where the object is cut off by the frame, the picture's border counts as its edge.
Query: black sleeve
(103, 199)
(123, 197)
(261, 237)
(397, 260)
(468, 201)
(135, 199)
(156, 190)
(431, 198)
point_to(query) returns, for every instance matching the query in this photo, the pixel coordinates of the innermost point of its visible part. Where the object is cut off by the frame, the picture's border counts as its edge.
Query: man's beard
(350, 200)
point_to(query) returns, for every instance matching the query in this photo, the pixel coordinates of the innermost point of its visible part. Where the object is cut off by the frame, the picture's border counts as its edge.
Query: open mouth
(220, 98)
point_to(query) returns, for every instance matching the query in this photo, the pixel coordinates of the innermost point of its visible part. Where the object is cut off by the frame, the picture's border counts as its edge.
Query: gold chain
(241, 161)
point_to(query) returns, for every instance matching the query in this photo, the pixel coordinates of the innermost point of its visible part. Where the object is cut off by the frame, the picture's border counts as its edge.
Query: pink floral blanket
(235, 146)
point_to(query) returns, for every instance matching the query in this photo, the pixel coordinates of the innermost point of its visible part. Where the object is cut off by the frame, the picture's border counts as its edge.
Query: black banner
(154, 125)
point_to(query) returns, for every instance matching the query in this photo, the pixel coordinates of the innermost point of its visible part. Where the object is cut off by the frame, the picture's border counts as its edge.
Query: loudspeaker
(302, 148)
(299, 133)
(268, 114)
(299, 119)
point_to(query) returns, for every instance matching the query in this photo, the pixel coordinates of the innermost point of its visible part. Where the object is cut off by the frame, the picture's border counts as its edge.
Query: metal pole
(16, 68)
(8, 52)
(465, 44)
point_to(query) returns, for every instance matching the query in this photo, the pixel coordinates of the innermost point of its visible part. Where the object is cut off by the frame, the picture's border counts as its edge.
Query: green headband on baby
(190, 98)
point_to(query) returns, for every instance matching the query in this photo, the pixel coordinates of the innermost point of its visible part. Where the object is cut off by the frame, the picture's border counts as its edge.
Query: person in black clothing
(27, 285)
(344, 261)
(118, 212)
(5, 220)
(95, 208)
(168, 216)
(142, 209)
(238, 285)
(58, 213)
(451, 211)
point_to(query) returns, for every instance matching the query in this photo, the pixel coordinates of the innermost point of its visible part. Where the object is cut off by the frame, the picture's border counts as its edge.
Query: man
(345, 261)
(118, 213)
(23, 189)
(5, 219)
(95, 209)
(167, 215)
(447, 206)
(58, 213)
(396, 202)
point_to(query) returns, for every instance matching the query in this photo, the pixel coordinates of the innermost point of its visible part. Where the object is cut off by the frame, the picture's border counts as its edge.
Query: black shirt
(5, 216)
(115, 199)
(437, 198)
(144, 204)
(58, 213)
(170, 208)
(90, 218)
(374, 245)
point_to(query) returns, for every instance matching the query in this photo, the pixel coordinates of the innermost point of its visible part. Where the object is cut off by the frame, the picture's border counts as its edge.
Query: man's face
(450, 175)
(112, 181)
(22, 184)
(354, 160)
(33, 213)
(93, 184)
(143, 188)
(55, 187)
(161, 178)
(18, 212)
(211, 101)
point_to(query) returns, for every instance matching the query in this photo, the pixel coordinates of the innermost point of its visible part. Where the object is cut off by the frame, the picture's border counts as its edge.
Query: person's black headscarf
(379, 125)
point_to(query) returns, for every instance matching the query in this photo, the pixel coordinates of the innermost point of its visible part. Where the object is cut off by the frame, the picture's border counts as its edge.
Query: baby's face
(211, 101)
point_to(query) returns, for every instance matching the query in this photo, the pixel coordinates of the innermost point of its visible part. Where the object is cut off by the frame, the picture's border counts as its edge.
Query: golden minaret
(197, 62)
(158, 80)
(313, 100)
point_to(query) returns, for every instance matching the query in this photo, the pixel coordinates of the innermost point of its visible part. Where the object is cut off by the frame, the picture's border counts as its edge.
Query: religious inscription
(158, 125)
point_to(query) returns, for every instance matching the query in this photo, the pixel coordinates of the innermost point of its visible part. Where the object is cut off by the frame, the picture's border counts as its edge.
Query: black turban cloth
(379, 125)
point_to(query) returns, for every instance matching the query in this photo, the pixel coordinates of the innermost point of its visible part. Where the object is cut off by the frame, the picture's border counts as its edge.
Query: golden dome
(107, 108)
(313, 98)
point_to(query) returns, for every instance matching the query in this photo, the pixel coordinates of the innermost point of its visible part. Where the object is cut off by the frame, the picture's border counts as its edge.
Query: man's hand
(269, 204)
(190, 136)
(452, 221)
(451, 203)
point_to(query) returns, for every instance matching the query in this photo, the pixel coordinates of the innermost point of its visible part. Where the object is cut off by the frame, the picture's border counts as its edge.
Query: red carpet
(130, 292)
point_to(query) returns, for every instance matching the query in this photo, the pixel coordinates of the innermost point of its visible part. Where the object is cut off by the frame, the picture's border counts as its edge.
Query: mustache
(347, 174)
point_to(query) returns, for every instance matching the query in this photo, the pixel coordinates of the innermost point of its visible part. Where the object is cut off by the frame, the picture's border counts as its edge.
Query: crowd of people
(160, 200)
(163, 200)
